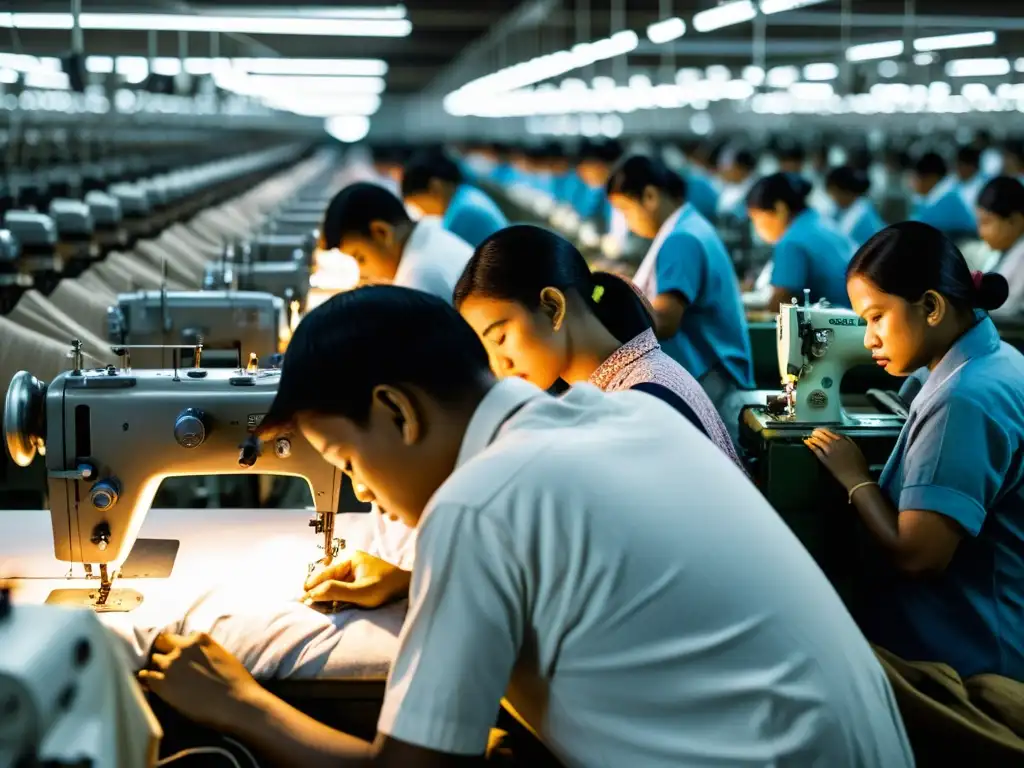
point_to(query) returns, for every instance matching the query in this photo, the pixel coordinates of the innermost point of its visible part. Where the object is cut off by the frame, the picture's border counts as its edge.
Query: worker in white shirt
(1001, 225)
(554, 568)
(372, 225)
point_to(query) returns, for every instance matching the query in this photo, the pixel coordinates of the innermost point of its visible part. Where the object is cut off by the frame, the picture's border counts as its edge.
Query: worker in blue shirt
(433, 183)
(948, 509)
(856, 217)
(941, 202)
(809, 251)
(593, 167)
(737, 169)
(689, 278)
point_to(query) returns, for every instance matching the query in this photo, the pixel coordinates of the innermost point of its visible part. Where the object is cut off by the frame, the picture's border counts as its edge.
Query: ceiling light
(248, 25)
(753, 75)
(823, 71)
(779, 6)
(259, 84)
(966, 40)
(888, 68)
(368, 67)
(1018, 65)
(924, 59)
(364, 104)
(781, 77)
(869, 51)
(99, 64)
(42, 78)
(726, 15)
(978, 67)
(666, 30)
(811, 91)
(348, 128)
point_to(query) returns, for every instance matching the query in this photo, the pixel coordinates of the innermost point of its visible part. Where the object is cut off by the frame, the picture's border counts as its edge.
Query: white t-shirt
(433, 259)
(637, 599)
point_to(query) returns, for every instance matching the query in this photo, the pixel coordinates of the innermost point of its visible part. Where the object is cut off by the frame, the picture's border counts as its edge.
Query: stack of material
(26, 350)
(87, 307)
(37, 313)
(126, 272)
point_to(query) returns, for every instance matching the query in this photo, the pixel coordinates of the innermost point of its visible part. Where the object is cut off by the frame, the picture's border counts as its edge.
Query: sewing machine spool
(25, 418)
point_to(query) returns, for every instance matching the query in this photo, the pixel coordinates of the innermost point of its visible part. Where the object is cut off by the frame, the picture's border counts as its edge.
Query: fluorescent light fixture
(811, 91)
(101, 65)
(924, 59)
(134, 69)
(779, 6)
(247, 25)
(166, 66)
(8, 76)
(42, 78)
(965, 40)
(782, 77)
(825, 70)
(888, 68)
(1018, 65)
(666, 30)
(726, 15)
(364, 104)
(256, 85)
(869, 51)
(367, 67)
(753, 75)
(350, 12)
(978, 67)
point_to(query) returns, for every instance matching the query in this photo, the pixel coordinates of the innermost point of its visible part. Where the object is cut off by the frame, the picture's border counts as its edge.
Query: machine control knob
(190, 428)
(101, 536)
(283, 447)
(104, 494)
(250, 451)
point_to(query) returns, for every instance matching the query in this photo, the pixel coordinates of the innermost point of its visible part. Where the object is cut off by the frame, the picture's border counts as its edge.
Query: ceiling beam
(897, 21)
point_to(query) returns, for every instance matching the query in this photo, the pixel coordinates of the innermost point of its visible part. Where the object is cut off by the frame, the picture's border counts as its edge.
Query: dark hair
(848, 179)
(609, 152)
(911, 258)
(637, 172)
(789, 188)
(518, 262)
(968, 155)
(1003, 196)
(423, 167)
(930, 164)
(377, 334)
(352, 210)
(790, 151)
(1014, 147)
(741, 158)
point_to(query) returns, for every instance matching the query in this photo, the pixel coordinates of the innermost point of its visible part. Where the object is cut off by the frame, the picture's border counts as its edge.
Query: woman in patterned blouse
(544, 316)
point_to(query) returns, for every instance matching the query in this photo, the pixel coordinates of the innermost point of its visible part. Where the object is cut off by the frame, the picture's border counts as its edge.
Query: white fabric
(636, 596)
(1011, 266)
(732, 194)
(849, 218)
(238, 576)
(433, 259)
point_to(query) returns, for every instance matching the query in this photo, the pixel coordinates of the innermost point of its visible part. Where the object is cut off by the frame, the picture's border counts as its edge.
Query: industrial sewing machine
(288, 280)
(37, 235)
(69, 698)
(230, 326)
(817, 346)
(110, 436)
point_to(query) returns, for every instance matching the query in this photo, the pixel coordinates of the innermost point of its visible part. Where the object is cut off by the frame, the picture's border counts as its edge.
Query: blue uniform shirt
(813, 254)
(947, 210)
(960, 455)
(473, 216)
(693, 262)
(860, 222)
(702, 195)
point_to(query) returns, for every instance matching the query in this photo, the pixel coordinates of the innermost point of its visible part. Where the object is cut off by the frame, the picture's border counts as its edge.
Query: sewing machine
(240, 323)
(817, 346)
(13, 281)
(37, 235)
(76, 230)
(69, 698)
(111, 436)
(288, 280)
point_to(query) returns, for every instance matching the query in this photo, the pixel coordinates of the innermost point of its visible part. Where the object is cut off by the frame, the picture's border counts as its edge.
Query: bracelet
(858, 486)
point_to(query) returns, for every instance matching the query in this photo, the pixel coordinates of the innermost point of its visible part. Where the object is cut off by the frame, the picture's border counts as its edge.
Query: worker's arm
(679, 275)
(668, 314)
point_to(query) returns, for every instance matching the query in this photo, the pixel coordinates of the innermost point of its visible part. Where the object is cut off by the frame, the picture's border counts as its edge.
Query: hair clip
(597, 294)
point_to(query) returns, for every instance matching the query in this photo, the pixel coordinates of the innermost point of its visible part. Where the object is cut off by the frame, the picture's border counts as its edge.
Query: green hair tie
(598, 293)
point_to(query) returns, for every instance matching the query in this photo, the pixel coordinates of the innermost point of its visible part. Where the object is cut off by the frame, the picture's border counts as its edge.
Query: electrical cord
(192, 751)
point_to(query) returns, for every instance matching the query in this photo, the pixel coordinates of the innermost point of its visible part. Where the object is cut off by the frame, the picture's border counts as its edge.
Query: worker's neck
(590, 345)
(403, 233)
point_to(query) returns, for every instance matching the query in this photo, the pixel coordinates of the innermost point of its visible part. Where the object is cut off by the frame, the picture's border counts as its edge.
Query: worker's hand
(841, 457)
(362, 580)
(199, 678)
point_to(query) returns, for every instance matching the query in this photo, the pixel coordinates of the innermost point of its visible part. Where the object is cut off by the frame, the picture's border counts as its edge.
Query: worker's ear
(935, 307)
(394, 406)
(437, 188)
(782, 210)
(552, 304)
(382, 233)
(650, 198)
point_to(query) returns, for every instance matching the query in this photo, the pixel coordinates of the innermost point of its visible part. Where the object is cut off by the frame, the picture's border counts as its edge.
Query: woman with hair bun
(1001, 226)
(856, 215)
(948, 509)
(810, 253)
(544, 316)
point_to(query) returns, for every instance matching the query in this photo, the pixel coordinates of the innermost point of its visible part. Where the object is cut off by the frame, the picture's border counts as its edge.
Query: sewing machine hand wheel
(25, 418)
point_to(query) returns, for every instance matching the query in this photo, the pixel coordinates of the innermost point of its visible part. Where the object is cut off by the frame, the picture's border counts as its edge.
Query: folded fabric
(978, 721)
(38, 313)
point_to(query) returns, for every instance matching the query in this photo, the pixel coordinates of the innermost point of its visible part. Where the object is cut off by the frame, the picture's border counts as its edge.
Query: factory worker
(809, 251)
(990, 157)
(372, 226)
(1001, 225)
(553, 568)
(856, 215)
(1013, 159)
(688, 277)
(433, 183)
(544, 316)
(948, 509)
(702, 193)
(941, 202)
(593, 167)
(736, 167)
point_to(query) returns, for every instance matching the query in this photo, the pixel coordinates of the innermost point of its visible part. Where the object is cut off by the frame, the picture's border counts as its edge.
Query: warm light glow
(334, 271)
